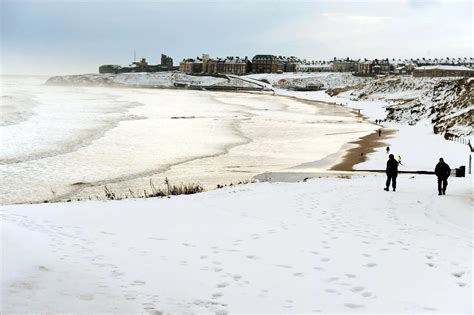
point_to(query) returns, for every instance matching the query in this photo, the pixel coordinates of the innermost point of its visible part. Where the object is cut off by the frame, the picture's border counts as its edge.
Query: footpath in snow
(327, 245)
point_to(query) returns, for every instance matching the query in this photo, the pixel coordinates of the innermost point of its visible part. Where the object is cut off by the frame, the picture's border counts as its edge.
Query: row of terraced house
(238, 65)
(279, 64)
(361, 67)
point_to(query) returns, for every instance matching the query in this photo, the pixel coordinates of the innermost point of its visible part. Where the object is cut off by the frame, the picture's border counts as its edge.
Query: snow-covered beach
(333, 244)
(75, 140)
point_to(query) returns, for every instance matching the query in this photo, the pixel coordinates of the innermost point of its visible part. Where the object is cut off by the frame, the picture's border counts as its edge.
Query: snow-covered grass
(328, 245)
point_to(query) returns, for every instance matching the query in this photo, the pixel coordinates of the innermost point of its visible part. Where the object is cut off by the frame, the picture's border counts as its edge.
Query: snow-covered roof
(442, 67)
(320, 65)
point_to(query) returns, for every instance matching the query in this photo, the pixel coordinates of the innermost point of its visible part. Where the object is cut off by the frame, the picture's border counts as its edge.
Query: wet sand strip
(364, 146)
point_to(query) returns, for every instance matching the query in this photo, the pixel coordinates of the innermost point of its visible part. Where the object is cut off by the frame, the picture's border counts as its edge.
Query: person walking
(380, 131)
(442, 171)
(388, 150)
(392, 172)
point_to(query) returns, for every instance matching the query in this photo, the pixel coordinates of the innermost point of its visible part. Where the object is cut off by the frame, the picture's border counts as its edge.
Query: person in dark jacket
(442, 171)
(392, 172)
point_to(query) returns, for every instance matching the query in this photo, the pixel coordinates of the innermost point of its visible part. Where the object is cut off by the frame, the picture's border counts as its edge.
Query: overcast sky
(76, 36)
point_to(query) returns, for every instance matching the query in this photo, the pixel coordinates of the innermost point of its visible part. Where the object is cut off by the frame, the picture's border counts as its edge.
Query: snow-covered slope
(447, 102)
(329, 80)
(328, 245)
(151, 79)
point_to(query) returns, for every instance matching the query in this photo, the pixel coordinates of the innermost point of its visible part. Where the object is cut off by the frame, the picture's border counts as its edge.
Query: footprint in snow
(236, 277)
(357, 289)
(138, 282)
(106, 233)
(332, 291)
(370, 265)
(188, 245)
(217, 295)
(86, 297)
(431, 265)
(130, 297)
(354, 306)
(458, 274)
(148, 305)
(157, 239)
(346, 284)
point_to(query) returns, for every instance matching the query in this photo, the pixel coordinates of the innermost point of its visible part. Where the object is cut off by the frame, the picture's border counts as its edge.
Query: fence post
(470, 162)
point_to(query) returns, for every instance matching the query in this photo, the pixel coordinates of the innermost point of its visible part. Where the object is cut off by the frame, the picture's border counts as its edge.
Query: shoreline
(365, 145)
(76, 188)
(340, 163)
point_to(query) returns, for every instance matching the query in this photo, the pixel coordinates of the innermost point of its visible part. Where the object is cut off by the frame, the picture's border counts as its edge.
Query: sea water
(66, 142)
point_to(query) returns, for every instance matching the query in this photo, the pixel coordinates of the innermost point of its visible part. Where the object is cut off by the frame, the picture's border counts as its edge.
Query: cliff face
(453, 110)
(447, 102)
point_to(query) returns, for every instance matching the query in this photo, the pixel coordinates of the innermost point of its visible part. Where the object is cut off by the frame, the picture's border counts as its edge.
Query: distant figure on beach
(380, 132)
(399, 160)
(392, 172)
(442, 171)
(388, 150)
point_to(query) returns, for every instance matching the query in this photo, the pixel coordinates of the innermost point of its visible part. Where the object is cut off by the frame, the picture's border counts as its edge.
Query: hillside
(328, 80)
(154, 80)
(446, 102)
